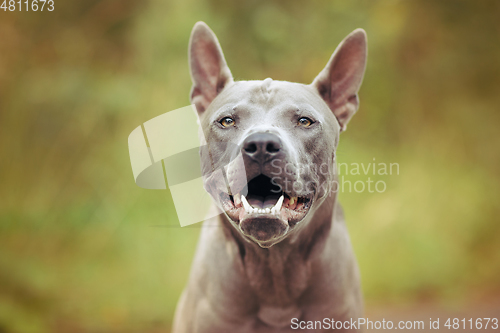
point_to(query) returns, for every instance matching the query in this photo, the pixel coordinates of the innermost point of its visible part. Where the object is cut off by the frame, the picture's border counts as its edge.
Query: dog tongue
(270, 201)
(256, 201)
(263, 202)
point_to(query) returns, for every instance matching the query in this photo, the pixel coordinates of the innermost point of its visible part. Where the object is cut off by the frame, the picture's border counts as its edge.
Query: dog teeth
(246, 205)
(276, 209)
(292, 200)
(237, 199)
(278, 205)
(251, 210)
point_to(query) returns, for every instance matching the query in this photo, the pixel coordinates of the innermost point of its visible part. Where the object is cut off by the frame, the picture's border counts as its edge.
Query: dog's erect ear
(209, 71)
(339, 82)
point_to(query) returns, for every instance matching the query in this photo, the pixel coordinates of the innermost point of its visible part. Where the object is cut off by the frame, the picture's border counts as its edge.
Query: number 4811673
(27, 5)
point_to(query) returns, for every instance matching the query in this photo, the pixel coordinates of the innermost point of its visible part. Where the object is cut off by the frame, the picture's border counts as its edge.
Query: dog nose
(261, 146)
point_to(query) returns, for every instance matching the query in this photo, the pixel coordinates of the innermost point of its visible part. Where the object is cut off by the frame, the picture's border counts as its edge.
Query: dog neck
(280, 274)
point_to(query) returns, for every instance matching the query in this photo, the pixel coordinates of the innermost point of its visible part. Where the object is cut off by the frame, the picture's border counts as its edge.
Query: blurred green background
(83, 249)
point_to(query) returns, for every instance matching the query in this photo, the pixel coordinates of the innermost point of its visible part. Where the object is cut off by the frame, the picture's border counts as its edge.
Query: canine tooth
(237, 199)
(245, 203)
(277, 207)
(292, 200)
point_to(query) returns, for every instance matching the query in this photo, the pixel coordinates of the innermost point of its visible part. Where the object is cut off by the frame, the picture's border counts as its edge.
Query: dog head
(274, 141)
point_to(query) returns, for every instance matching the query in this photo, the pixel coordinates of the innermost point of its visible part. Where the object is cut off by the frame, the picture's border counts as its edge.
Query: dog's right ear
(209, 71)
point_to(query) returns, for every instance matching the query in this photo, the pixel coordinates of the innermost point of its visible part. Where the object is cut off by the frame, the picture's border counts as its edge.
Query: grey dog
(280, 258)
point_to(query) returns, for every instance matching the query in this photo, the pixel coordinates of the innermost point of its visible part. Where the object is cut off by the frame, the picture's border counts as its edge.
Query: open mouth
(265, 200)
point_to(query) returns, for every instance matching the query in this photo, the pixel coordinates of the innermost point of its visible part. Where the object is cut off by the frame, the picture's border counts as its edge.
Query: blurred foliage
(83, 249)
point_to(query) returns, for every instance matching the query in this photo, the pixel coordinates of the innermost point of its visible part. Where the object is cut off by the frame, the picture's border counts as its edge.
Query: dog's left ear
(209, 71)
(339, 82)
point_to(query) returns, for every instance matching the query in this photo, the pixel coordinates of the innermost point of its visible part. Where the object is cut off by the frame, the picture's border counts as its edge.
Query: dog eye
(227, 122)
(305, 122)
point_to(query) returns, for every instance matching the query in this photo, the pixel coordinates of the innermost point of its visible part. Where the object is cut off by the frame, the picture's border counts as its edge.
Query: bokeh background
(83, 249)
